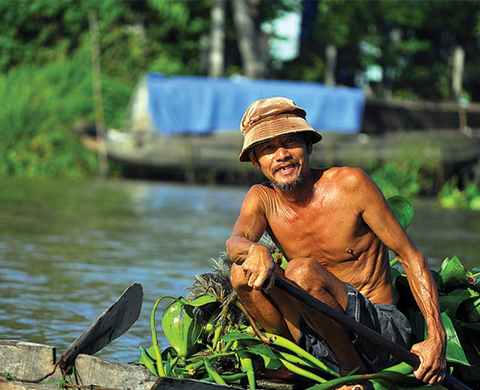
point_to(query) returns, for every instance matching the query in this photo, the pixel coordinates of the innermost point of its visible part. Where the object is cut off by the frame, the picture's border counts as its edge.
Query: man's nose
(282, 153)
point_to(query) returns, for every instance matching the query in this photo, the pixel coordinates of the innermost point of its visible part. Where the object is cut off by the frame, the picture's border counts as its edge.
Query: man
(334, 226)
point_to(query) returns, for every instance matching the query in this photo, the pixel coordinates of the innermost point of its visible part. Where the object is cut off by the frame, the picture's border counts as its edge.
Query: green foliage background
(46, 77)
(41, 104)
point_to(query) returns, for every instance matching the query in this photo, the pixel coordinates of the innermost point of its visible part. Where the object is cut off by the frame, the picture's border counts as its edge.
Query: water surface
(69, 250)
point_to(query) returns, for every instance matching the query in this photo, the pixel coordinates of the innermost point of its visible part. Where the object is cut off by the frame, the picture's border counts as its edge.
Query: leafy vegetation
(37, 117)
(202, 349)
(405, 178)
(451, 195)
(459, 291)
(414, 177)
(408, 46)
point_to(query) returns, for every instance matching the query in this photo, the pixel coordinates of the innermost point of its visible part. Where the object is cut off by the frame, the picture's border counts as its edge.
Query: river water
(69, 250)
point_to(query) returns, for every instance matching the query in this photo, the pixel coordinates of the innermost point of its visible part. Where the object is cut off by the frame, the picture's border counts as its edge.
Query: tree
(217, 40)
(412, 42)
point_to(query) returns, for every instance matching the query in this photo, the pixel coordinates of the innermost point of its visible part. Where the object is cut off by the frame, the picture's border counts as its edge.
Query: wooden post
(97, 95)
(457, 72)
(329, 78)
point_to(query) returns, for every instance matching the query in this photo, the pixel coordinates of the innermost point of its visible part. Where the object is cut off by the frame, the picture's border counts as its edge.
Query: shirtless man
(334, 226)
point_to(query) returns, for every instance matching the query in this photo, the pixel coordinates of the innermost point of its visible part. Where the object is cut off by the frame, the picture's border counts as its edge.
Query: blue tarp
(198, 105)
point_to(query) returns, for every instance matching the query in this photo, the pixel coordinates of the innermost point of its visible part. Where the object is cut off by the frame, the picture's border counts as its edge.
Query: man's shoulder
(260, 190)
(343, 174)
(266, 185)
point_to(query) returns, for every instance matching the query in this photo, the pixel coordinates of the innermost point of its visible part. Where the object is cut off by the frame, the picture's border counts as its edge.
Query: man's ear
(253, 159)
(308, 142)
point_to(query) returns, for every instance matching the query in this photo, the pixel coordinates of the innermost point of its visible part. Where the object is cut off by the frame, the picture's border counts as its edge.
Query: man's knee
(297, 270)
(307, 273)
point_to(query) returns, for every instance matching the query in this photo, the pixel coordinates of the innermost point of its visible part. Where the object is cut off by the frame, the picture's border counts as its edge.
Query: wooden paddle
(111, 324)
(372, 336)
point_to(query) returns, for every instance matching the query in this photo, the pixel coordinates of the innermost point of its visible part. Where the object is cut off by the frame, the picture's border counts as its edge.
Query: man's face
(283, 160)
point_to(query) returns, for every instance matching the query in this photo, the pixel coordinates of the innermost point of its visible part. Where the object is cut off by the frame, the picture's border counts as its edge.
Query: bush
(451, 196)
(40, 107)
(400, 178)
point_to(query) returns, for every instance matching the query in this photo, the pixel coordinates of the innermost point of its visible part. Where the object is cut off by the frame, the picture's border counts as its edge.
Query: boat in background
(187, 128)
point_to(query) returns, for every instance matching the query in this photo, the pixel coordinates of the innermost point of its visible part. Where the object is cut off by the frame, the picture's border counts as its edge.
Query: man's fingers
(430, 375)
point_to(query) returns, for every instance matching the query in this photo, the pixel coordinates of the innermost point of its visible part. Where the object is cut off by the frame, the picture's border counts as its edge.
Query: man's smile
(286, 168)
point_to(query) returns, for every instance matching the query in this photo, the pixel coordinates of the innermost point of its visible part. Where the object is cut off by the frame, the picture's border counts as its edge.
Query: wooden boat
(25, 365)
(28, 362)
(213, 157)
(382, 116)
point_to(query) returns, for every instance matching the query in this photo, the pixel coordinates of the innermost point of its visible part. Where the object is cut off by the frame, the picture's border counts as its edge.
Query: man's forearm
(239, 248)
(425, 293)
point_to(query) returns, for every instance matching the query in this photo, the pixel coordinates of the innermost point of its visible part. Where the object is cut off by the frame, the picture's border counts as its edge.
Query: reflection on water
(67, 251)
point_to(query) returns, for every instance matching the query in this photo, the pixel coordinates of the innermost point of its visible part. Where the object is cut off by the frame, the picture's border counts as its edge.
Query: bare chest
(330, 233)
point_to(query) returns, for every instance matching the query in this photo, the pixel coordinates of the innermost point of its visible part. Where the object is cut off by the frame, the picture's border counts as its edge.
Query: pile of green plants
(202, 347)
(213, 339)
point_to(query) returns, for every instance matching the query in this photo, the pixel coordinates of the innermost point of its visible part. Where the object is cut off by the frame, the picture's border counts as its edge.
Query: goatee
(291, 186)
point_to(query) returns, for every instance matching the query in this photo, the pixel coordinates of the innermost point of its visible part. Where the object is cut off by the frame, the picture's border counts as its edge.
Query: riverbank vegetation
(388, 48)
(43, 104)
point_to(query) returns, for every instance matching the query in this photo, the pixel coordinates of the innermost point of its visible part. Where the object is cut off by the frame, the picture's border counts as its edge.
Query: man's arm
(380, 219)
(242, 246)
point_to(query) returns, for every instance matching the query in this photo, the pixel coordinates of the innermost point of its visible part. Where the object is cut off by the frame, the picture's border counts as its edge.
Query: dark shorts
(385, 319)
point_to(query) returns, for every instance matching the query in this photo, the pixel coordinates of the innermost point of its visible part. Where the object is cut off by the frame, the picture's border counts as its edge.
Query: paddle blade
(111, 324)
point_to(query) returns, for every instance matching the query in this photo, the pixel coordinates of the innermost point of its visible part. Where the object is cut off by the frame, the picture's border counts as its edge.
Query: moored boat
(188, 128)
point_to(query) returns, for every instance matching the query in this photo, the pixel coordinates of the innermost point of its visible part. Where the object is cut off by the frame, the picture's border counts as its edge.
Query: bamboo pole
(97, 96)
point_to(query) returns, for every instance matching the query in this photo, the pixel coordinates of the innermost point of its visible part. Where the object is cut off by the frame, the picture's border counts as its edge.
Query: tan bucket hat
(268, 118)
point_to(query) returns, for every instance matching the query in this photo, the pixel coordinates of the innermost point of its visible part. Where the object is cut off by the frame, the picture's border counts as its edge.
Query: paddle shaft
(372, 336)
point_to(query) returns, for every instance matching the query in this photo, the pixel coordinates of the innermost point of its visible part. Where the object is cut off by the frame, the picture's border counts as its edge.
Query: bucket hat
(269, 118)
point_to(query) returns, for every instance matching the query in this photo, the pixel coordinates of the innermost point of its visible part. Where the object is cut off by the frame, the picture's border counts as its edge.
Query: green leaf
(238, 336)
(469, 310)
(398, 372)
(271, 360)
(452, 273)
(402, 209)
(182, 327)
(203, 300)
(453, 299)
(455, 353)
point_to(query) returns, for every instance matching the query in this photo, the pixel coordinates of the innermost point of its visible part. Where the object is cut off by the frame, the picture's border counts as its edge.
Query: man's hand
(432, 361)
(258, 267)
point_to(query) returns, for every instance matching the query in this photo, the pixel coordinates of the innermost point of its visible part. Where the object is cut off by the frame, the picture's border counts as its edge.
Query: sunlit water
(68, 251)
